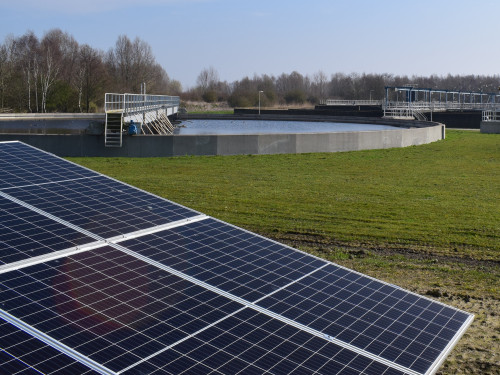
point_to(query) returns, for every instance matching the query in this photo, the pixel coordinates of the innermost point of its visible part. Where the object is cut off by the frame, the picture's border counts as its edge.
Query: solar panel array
(97, 276)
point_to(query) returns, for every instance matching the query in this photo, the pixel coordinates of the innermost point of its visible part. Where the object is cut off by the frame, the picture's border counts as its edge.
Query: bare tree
(122, 61)
(56, 73)
(133, 63)
(245, 93)
(144, 66)
(50, 63)
(174, 87)
(25, 53)
(69, 54)
(90, 75)
(207, 79)
(292, 87)
(4, 72)
(319, 85)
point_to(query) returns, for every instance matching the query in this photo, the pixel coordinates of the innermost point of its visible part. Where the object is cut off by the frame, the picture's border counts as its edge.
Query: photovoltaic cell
(376, 317)
(226, 257)
(24, 165)
(384, 320)
(253, 343)
(25, 234)
(22, 354)
(234, 302)
(109, 306)
(102, 205)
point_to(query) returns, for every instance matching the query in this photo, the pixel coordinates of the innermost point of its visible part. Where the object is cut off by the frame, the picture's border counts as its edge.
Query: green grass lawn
(444, 196)
(426, 218)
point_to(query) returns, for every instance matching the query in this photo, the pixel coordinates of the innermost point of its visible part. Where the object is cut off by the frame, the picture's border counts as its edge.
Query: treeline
(295, 88)
(57, 74)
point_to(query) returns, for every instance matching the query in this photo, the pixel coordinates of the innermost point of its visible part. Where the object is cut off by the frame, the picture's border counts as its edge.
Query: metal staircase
(114, 129)
(419, 115)
(405, 113)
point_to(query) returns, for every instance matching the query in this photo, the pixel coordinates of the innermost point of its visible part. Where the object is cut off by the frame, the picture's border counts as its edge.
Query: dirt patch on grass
(421, 253)
(478, 352)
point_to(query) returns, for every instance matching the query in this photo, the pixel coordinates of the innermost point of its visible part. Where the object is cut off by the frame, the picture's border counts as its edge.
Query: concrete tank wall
(490, 127)
(179, 145)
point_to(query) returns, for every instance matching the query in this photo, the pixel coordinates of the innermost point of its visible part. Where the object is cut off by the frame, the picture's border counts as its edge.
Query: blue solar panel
(21, 353)
(253, 343)
(109, 306)
(26, 234)
(382, 319)
(375, 317)
(25, 165)
(193, 297)
(101, 205)
(226, 257)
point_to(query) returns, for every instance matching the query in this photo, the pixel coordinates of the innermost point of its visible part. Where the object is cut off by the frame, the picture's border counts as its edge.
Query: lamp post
(371, 95)
(259, 101)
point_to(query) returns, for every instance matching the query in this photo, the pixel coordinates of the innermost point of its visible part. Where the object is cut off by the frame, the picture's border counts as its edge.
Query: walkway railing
(138, 103)
(350, 102)
(417, 109)
(441, 106)
(418, 105)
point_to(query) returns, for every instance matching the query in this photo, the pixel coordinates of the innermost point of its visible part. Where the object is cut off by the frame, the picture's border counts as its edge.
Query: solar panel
(253, 343)
(105, 278)
(382, 319)
(372, 316)
(25, 165)
(109, 306)
(22, 353)
(26, 234)
(226, 257)
(100, 205)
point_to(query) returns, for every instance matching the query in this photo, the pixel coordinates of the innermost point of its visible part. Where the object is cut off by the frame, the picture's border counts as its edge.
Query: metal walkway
(413, 102)
(149, 112)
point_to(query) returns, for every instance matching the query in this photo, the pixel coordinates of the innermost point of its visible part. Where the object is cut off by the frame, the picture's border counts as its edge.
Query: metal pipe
(259, 100)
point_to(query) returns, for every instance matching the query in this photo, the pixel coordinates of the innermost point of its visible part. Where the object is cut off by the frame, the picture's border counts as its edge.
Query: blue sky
(243, 37)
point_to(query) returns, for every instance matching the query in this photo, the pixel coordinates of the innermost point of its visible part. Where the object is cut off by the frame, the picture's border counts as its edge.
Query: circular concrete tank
(400, 133)
(365, 133)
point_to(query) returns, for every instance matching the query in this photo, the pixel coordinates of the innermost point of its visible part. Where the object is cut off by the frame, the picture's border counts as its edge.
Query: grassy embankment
(426, 218)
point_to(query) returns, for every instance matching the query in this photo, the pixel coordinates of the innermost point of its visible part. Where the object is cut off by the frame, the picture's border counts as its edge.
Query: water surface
(190, 127)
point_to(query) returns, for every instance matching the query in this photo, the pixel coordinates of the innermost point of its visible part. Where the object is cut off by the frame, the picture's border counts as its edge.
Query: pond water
(191, 127)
